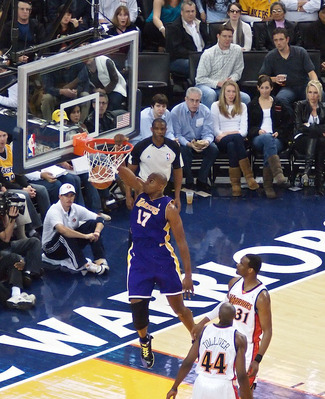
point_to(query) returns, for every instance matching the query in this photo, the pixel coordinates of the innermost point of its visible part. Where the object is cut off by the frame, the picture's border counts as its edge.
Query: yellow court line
(97, 379)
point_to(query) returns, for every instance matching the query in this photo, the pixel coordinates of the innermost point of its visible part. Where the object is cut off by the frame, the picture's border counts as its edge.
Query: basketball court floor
(79, 342)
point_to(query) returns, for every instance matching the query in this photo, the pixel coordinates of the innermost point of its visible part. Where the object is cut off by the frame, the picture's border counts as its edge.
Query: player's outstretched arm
(185, 369)
(130, 179)
(176, 225)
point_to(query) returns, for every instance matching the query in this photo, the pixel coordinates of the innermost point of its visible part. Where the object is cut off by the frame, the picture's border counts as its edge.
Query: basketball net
(104, 157)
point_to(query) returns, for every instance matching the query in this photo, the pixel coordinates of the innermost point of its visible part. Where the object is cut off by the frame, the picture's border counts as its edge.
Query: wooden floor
(294, 366)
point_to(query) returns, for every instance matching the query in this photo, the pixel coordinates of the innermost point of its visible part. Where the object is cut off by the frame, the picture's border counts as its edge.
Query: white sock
(15, 291)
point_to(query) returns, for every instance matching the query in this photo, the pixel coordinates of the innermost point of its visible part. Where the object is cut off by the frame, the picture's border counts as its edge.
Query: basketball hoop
(104, 157)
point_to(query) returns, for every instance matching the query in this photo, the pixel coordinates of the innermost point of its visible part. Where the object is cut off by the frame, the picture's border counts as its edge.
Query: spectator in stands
(107, 9)
(62, 85)
(264, 41)
(255, 10)
(193, 128)
(68, 229)
(220, 63)
(158, 154)
(9, 96)
(52, 183)
(121, 22)
(242, 31)
(80, 11)
(302, 10)
(68, 26)
(212, 10)
(30, 32)
(290, 67)
(310, 133)
(164, 11)
(229, 116)
(19, 184)
(158, 109)
(317, 34)
(106, 119)
(74, 116)
(269, 131)
(183, 36)
(104, 75)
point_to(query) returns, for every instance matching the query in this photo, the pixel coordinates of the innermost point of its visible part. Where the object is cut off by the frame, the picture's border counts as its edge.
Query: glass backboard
(66, 82)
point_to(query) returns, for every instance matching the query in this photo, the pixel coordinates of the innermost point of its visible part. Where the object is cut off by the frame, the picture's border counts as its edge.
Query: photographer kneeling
(29, 248)
(12, 264)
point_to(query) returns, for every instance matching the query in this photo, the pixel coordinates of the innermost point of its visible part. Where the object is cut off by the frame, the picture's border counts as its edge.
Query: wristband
(258, 358)
(161, 28)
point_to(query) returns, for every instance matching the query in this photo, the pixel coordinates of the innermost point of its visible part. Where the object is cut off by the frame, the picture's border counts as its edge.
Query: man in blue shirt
(193, 128)
(158, 109)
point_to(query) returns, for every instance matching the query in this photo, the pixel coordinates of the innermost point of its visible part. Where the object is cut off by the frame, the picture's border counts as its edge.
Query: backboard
(39, 141)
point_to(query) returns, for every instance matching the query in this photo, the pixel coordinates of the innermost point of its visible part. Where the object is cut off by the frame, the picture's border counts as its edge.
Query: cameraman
(11, 265)
(29, 248)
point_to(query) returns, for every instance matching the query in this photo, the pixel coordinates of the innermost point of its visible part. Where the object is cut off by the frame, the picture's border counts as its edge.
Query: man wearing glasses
(30, 32)
(106, 119)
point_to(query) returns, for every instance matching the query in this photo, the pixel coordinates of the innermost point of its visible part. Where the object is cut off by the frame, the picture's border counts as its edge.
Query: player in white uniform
(253, 312)
(221, 350)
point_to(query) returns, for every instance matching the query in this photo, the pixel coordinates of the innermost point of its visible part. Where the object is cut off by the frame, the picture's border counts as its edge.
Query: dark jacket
(302, 113)
(107, 122)
(265, 38)
(37, 36)
(179, 44)
(281, 120)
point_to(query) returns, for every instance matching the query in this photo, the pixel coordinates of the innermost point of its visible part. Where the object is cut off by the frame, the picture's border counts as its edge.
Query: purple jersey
(149, 226)
(151, 258)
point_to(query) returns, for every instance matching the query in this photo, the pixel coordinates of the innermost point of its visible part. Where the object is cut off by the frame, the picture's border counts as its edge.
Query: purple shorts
(149, 267)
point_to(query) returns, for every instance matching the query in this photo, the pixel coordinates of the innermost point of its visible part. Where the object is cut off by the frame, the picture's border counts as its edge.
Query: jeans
(180, 66)
(42, 199)
(268, 145)
(53, 188)
(209, 155)
(288, 95)
(234, 146)
(209, 95)
(92, 198)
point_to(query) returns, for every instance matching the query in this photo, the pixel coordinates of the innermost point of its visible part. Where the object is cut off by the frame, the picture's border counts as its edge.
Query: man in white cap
(64, 237)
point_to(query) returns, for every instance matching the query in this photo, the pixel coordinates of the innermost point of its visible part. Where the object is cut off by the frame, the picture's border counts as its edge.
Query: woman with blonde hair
(230, 128)
(310, 133)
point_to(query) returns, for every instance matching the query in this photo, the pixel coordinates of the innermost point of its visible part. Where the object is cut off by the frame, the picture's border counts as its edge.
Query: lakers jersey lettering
(6, 164)
(148, 221)
(143, 204)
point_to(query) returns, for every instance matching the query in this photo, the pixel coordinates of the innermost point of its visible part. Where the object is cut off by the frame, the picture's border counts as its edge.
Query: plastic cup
(282, 77)
(189, 197)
